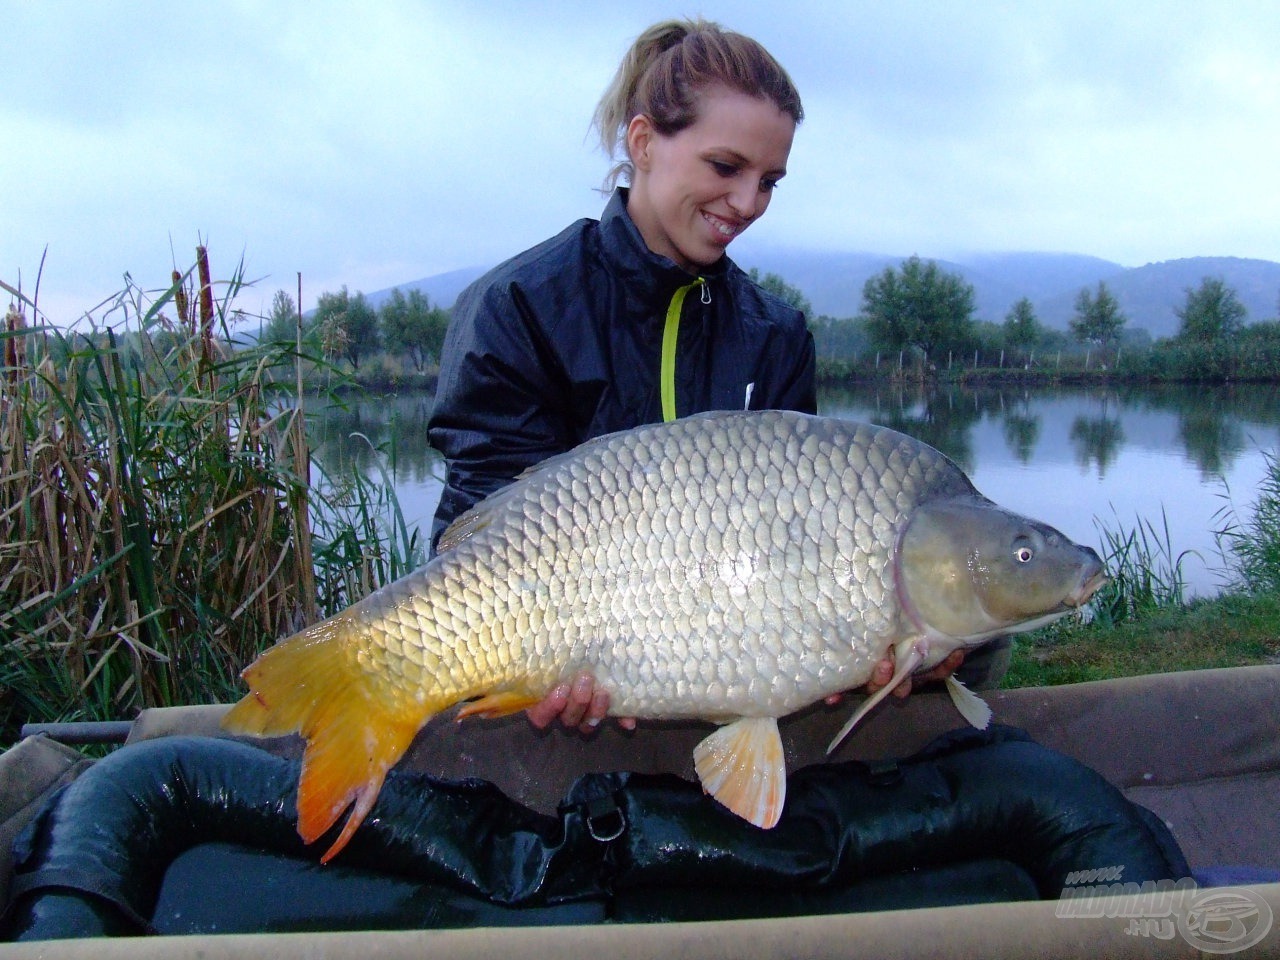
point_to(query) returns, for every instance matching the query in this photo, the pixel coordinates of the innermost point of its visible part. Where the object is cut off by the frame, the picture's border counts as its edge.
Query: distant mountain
(440, 290)
(1148, 295)
(833, 282)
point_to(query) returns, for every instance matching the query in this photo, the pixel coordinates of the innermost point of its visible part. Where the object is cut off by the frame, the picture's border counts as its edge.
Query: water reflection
(1214, 425)
(374, 434)
(1021, 431)
(1097, 440)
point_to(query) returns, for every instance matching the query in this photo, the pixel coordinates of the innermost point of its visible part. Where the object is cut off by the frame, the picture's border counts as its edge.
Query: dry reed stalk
(181, 303)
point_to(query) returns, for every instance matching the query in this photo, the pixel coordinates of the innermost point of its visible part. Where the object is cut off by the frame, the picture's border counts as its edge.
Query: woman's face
(693, 192)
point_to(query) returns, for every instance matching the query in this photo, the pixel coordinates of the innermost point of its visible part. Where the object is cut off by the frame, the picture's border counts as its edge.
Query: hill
(833, 282)
(1148, 295)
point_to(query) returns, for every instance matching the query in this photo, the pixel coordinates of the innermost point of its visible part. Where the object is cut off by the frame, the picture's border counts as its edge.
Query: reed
(158, 527)
(1145, 575)
(1251, 547)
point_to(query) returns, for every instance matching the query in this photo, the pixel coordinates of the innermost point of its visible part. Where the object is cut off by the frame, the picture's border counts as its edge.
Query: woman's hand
(883, 673)
(579, 704)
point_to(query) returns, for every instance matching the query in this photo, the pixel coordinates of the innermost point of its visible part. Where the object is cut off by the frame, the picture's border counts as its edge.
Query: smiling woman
(594, 331)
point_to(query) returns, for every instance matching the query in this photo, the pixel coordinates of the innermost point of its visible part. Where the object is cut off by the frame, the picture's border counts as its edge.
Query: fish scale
(733, 566)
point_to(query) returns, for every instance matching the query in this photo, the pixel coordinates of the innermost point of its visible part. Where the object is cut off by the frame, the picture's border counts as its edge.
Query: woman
(640, 316)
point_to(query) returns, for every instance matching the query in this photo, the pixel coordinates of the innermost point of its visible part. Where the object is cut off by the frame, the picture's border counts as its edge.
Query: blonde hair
(666, 69)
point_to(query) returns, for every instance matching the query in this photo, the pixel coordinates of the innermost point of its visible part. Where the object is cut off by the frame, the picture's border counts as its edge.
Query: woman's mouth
(722, 229)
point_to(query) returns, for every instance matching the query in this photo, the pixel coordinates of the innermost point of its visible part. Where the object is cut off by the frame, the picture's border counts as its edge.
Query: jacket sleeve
(499, 405)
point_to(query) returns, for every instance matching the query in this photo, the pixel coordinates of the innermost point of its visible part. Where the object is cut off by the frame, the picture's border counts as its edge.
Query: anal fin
(494, 705)
(743, 766)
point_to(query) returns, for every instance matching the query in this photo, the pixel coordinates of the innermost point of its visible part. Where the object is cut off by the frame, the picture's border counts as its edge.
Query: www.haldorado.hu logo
(1218, 920)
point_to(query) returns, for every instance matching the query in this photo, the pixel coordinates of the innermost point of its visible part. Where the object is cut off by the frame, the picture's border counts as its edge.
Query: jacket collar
(626, 253)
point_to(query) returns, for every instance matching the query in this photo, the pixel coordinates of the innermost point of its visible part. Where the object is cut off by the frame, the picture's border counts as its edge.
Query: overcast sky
(375, 143)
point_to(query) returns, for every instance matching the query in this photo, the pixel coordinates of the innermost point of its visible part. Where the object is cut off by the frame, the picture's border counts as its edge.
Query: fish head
(970, 570)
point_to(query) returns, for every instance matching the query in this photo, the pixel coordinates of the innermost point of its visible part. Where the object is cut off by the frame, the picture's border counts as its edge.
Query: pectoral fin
(910, 656)
(742, 765)
(971, 706)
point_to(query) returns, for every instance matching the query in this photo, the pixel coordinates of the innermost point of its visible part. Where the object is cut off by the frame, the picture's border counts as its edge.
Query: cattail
(14, 344)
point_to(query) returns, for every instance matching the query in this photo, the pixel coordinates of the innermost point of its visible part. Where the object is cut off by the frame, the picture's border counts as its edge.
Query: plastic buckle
(884, 773)
(604, 819)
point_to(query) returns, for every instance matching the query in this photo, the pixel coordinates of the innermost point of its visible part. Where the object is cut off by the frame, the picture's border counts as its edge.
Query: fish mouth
(1090, 583)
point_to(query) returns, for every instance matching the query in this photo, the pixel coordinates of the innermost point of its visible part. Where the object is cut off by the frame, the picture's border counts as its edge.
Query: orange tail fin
(356, 727)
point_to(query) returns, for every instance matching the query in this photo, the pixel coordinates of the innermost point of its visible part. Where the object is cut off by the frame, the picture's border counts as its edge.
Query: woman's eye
(722, 168)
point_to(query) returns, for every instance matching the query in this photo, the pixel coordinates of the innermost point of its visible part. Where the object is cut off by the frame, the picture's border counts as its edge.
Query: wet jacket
(591, 332)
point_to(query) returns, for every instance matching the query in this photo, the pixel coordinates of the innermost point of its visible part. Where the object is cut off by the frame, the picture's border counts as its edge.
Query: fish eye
(1022, 551)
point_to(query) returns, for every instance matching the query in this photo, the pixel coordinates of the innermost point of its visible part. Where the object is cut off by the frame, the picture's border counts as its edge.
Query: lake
(1081, 459)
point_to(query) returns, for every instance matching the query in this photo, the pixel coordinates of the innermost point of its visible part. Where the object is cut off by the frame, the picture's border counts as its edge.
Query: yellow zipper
(670, 334)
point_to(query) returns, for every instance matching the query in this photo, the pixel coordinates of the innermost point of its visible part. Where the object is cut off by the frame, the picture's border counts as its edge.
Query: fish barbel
(734, 567)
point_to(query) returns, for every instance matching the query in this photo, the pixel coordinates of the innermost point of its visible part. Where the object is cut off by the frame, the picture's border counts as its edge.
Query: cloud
(374, 144)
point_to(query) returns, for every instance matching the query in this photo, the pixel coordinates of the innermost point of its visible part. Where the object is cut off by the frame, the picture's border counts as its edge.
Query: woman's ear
(640, 134)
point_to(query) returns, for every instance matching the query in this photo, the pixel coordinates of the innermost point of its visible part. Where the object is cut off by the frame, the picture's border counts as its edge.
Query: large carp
(730, 566)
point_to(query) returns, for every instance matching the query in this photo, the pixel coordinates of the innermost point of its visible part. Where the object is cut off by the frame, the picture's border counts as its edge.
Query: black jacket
(564, 342)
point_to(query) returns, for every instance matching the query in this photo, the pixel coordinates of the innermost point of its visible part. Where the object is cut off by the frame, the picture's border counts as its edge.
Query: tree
(1021, 328)
(282, 322)
(1212, 312)
(348, 326)
(918, 306)
(411, 326)
(839, 338)
(1098, 318)
(791, 295)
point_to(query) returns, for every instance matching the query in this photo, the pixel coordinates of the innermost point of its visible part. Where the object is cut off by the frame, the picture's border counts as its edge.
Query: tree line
(347, 327)
(920, 312)
(915, 312)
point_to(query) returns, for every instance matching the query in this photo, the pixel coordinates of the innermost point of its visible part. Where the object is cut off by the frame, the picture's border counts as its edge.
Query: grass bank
(1233, 630)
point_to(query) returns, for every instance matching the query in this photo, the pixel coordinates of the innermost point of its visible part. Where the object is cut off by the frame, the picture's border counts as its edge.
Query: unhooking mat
(196, 835)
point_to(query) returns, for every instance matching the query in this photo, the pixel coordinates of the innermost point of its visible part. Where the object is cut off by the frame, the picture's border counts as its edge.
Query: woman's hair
(666, 69)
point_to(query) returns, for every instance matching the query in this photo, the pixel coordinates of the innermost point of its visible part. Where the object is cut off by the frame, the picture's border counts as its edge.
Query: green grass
(1233, 630)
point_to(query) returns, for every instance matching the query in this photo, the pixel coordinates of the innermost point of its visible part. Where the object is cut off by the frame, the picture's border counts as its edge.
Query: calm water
(1078, 459)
